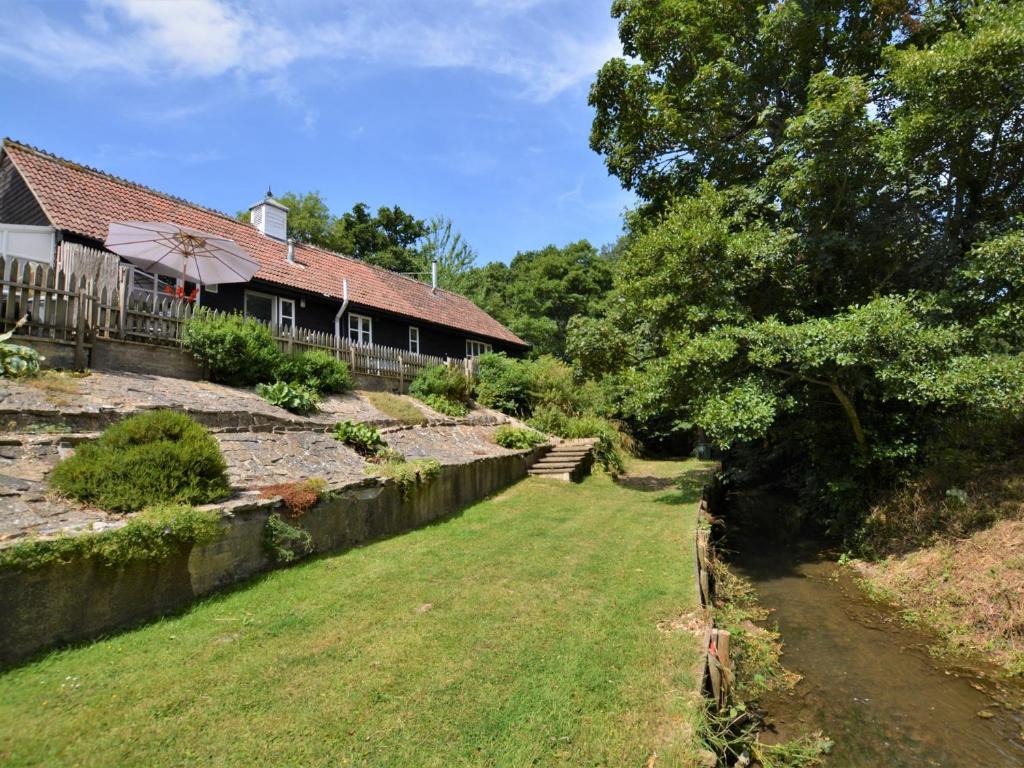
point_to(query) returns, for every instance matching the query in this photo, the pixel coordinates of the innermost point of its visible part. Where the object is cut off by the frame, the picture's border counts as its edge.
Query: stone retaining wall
(57, 605)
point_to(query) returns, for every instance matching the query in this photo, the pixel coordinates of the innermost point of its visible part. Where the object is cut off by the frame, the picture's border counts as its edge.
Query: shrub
(518, 439)
(15, 360)
(397, 408)
(448, 407)
(235, 350)
(292, 397)
(158, 457)
(444, 380)
(285, 543)
(504, 384)
(153, 534)
(317, 370)
(408, 474)
(296, 497)
(365, 439)
(387, 456)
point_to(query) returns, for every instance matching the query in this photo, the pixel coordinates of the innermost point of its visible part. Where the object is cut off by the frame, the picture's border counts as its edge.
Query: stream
(869, 682)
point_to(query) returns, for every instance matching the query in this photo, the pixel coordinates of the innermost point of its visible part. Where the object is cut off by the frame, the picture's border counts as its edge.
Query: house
(46, 200)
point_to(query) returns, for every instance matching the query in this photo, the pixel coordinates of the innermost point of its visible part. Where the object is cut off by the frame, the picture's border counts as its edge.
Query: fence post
(401, 375)
(122, 304)
(352, 358)
(80, 361)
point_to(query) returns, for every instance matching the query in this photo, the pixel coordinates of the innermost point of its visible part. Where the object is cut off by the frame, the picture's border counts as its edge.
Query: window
(360, 329)
(150, 287)
(414, 339)
(476, 348)
(260, 306)
(286, 314)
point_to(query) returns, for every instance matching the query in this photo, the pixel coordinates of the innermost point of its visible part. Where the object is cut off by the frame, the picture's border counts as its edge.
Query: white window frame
(476, 348)
(363, 327)
(282, 316)
(414, 339)
(29, 229)
(260, 294)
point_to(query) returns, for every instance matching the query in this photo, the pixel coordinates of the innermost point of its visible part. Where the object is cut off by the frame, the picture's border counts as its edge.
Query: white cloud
(202, 39)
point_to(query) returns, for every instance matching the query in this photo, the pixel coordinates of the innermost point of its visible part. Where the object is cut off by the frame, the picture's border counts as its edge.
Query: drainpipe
(291, 250)
(433, 274)
(337, 317)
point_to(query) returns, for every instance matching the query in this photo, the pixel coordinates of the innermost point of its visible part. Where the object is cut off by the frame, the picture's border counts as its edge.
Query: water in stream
(869, 682)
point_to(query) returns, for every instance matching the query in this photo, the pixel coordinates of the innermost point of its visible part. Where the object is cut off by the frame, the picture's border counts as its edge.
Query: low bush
(504, 384)
(387, 456)
(316, 370)
(235, 350)
(297, 497)
(285, 543)
(443, 405)
(517, 438)
(366, 440)
(159, 457)
(292, 397)
(16, 360)
(153, 534)
(408, 474)
(397, 408)
(447, 381)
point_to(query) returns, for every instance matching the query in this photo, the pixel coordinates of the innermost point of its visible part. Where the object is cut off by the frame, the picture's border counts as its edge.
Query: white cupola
(270, 217)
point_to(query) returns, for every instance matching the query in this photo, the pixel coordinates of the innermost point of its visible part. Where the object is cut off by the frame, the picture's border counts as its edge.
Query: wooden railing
(62, 306)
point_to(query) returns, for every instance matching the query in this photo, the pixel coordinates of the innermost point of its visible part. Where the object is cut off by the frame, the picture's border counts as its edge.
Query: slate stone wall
(58, 605)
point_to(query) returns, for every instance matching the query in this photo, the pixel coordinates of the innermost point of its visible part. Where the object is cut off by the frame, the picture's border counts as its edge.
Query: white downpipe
(337, 317)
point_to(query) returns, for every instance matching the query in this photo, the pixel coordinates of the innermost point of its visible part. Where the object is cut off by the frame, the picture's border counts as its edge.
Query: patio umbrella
(174, 251)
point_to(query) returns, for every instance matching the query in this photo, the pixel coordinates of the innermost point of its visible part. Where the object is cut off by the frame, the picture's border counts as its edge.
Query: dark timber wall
(17, 203)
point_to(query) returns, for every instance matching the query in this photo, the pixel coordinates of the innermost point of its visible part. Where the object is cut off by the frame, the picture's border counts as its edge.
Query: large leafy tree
(539, 291)
(443, 244)
(390, 238)
(827, 261)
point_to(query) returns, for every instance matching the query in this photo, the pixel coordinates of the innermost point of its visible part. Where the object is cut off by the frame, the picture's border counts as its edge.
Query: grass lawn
(520, 632)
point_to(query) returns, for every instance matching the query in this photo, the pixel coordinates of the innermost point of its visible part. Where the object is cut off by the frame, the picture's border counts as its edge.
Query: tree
(539, 291)
(454, 256)
(827, 264)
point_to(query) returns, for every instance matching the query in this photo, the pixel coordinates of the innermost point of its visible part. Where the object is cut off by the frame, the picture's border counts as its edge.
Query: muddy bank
(869, 682)
(970, 591)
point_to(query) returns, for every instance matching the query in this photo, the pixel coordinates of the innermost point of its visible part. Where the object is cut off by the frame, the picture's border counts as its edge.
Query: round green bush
(504, 384)
(160, 457)
(446, 381)
(235, 350)
(316, 369)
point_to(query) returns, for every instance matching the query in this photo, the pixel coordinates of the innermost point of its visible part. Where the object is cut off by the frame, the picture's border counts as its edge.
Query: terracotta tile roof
(84, 201)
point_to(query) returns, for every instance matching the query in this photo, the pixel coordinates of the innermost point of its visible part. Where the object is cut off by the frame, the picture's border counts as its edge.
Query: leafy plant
(517, 438)
(443, 405)
(387, 456)
(408, 474)
(158, 457)
(316, 370)
(297, 497)
(447, 381)
(285, 543)
(16, 360)
(292, 397)
(365, 439)
(234, 349)
(504, 384)
(153, 534)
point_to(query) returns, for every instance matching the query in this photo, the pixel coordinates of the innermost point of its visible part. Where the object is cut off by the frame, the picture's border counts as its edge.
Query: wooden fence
(65, 306)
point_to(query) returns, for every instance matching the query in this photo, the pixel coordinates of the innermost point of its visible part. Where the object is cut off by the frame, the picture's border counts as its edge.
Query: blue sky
(475, 109)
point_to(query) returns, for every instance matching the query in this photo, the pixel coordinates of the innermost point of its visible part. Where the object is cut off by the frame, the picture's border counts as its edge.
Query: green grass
(397, 408)
(521, 632)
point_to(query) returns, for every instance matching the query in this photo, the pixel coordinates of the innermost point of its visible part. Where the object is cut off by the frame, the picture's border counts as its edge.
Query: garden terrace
(44, 418)
(547, 625)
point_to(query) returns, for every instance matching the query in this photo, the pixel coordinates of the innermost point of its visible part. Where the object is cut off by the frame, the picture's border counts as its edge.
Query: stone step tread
(559, 467)
(550, 472)
(568, 454)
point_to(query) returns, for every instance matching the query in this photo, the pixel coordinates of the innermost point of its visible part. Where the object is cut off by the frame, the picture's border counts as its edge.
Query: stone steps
(567, 461)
